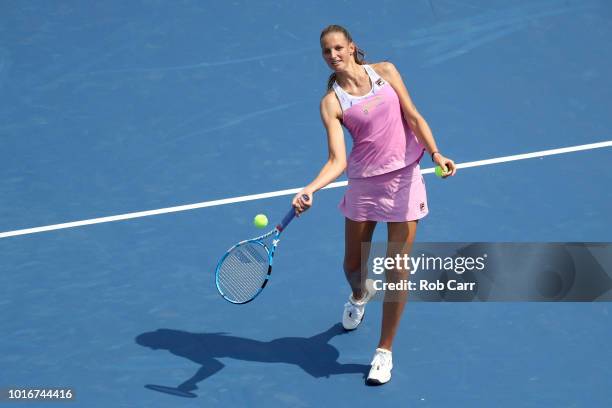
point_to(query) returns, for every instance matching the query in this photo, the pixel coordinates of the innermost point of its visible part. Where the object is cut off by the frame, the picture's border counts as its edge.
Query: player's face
(336, 51)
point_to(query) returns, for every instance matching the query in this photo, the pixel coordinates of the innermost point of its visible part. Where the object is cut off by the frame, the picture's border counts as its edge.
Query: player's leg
(400, 239)
(358, 237)
(357, 241)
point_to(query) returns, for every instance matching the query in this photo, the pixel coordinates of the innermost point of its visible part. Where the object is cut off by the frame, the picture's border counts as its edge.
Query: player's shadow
(313, 354)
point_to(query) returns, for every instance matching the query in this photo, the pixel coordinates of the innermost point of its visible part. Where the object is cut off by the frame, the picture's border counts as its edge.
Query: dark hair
(359, 54)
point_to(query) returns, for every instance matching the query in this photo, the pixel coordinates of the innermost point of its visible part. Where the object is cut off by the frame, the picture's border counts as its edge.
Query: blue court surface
(116, 107)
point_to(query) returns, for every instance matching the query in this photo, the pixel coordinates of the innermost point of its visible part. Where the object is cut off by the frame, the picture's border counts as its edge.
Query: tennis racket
(245, 269)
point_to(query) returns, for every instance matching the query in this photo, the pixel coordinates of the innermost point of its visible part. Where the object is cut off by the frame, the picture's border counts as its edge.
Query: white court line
(231, 200)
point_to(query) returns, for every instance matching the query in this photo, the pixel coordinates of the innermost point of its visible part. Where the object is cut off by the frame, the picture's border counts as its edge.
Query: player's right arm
(331, 113)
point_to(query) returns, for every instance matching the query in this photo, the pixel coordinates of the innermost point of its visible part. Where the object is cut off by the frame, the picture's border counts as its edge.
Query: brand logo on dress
(374, 102)
(422, 206)
(380, 82)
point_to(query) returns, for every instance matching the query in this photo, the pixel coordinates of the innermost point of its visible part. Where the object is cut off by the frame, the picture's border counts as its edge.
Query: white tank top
(347, 100)
(382, 139)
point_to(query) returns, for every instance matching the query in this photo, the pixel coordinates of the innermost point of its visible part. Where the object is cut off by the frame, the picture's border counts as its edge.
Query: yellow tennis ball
(260, 221)
(439, 171)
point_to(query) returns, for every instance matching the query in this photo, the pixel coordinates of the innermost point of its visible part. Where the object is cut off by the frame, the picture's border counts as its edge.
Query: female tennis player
(384, 177)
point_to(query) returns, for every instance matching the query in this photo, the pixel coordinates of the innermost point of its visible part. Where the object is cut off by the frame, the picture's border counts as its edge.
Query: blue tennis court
(110, 108)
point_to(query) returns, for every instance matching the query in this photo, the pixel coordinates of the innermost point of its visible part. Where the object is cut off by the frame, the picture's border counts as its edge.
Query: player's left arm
(417, 123)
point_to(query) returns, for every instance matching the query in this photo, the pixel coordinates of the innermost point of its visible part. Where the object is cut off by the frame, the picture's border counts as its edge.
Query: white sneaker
(382, 363)
(354, 310)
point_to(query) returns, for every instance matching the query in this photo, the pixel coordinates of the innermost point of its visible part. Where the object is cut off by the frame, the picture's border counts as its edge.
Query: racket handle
(290, 215)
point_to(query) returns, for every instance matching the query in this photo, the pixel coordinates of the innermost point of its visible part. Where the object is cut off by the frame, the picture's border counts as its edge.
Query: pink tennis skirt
(397, 196)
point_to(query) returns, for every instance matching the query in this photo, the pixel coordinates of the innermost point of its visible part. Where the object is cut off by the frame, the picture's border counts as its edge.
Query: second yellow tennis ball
(260, 221)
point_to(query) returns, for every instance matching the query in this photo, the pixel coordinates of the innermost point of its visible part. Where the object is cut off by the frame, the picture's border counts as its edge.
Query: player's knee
(352, 265)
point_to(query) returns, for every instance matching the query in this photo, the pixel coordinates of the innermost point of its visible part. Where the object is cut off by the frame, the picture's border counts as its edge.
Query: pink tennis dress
(384, 178)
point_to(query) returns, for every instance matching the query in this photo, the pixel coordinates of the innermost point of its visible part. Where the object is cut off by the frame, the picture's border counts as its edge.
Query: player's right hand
(302, 204)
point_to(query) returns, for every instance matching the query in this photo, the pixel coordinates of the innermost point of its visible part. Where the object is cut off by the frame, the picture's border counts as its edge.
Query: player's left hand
(446, 164)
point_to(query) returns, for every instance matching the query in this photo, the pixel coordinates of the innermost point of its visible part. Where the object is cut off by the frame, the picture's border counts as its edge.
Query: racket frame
(260, 241)
(270, 251)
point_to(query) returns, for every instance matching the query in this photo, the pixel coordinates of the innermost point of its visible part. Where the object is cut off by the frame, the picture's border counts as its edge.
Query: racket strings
(243, 272)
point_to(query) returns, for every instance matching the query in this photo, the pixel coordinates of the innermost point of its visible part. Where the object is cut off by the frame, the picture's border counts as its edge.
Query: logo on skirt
(422, 206)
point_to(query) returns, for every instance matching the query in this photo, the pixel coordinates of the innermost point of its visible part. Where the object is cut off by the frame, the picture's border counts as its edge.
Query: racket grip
(290, 215)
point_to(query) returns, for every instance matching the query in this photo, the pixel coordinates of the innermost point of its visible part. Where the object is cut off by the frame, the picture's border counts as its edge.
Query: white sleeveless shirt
(347, 100)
